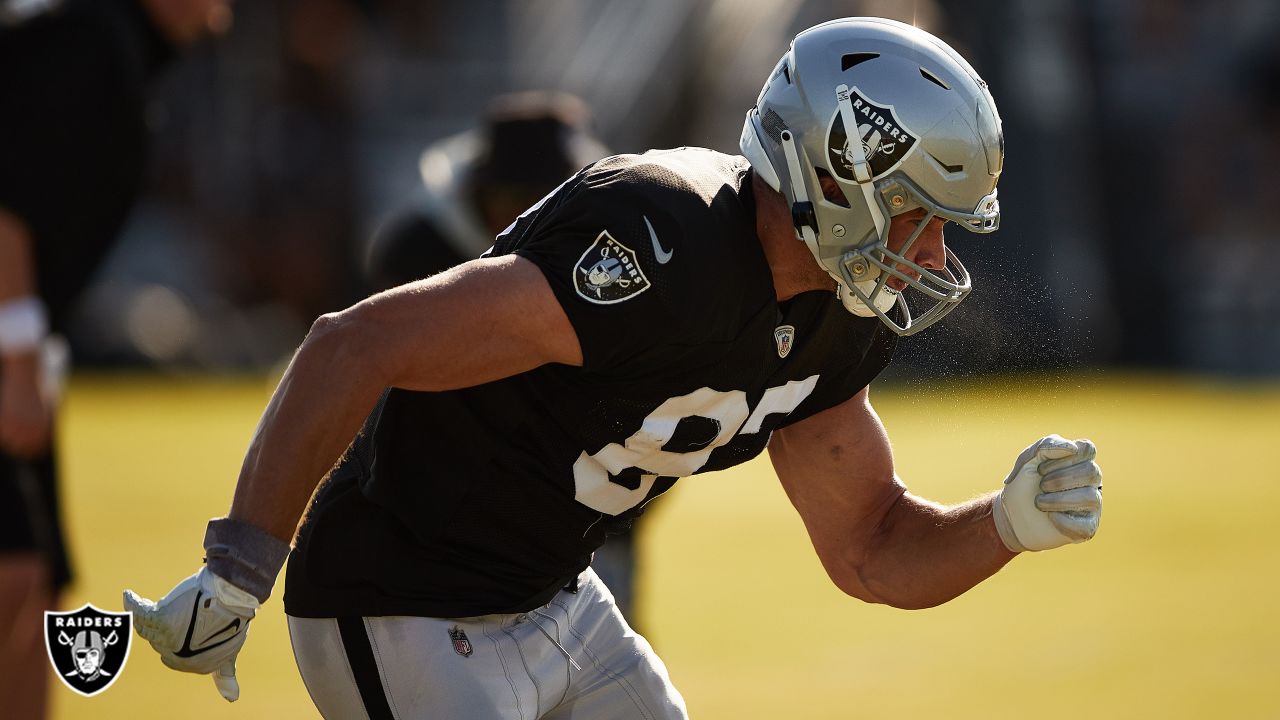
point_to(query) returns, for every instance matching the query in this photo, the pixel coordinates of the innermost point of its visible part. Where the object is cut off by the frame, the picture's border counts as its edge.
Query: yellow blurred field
(1168, 614)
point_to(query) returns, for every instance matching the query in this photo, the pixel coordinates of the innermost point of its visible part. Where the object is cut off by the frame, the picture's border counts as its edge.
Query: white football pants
(575, 657)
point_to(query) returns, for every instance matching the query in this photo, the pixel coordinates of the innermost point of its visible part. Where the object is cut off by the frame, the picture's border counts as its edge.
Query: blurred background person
(73, 82)
(476, 183)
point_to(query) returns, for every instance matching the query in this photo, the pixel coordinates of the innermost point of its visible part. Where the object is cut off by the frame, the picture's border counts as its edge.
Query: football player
(657, 316)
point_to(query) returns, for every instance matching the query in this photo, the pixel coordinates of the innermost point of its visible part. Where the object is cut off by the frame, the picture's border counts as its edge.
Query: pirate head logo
(88, 647)
(882, 139)
(608, 272)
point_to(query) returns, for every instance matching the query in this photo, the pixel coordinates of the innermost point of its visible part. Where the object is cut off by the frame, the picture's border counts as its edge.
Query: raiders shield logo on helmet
(88, 647)
(884, 141)
(608, 272)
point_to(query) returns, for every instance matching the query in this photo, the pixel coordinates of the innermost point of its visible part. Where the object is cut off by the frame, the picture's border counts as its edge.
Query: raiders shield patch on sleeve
(608, 272)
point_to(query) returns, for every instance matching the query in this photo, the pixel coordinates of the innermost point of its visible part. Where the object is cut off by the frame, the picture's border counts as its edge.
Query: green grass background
(1169, 613)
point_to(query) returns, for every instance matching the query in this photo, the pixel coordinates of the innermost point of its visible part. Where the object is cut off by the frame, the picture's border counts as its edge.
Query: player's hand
(1053, 496)
(198, 627)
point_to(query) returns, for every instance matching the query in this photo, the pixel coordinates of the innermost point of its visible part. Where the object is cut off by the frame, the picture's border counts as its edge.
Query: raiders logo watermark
(784, 335)
(461, 643)
(88, 647)
(608, 272)
(884, 141)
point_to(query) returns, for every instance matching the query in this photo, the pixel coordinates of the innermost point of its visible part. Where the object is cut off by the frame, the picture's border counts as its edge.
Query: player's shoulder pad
(672, 218)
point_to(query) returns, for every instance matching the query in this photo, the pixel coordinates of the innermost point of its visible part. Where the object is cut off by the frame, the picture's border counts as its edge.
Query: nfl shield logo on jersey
(88, 647)
(461, 644)
(784, 335)
(608, 272)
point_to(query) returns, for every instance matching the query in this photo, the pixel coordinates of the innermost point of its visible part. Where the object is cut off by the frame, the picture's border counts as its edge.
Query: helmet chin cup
(854, 302)
(864, 275)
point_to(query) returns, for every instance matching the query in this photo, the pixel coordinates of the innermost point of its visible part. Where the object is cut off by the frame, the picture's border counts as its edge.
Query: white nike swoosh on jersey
(662, 255)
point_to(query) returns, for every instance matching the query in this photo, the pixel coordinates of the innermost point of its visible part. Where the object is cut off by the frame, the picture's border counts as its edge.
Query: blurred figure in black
(474, 185)
(73, 79)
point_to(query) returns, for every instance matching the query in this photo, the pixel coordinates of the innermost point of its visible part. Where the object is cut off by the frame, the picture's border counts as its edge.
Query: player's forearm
(324, 397)
(925, 554)
(18, 285)
(17, 269)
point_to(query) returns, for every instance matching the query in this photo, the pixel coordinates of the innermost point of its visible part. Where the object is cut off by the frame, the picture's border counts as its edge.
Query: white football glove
(1053, 496)
(198, 627)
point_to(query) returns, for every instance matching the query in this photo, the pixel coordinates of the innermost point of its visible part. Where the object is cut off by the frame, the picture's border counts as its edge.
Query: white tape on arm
(24, 323)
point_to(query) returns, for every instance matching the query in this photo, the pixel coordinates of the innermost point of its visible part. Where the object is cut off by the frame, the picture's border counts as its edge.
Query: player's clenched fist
(198, 627)
(1052, 497)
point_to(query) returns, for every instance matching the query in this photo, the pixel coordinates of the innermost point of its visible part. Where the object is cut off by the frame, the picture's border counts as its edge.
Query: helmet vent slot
(953, 169)
(848, 61)
(783, 71)
(933, 79)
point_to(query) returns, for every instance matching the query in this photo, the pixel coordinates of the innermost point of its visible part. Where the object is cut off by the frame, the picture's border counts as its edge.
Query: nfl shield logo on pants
(461, 643)
(88, 647)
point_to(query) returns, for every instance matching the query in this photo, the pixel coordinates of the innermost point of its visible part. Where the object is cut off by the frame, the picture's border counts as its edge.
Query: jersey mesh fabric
(489, 499)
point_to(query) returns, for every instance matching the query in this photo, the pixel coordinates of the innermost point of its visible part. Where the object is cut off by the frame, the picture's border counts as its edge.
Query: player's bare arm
(882, 544)
(877, 541)
(482, 321)
(26, 410)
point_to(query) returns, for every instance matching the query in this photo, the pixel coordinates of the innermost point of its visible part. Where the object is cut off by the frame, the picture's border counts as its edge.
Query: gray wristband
(244, 555)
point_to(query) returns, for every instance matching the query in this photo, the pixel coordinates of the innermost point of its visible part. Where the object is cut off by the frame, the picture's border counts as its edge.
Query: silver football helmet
(927, 136)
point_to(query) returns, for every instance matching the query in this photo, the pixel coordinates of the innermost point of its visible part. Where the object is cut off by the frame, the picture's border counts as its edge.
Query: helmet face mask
(927, 136)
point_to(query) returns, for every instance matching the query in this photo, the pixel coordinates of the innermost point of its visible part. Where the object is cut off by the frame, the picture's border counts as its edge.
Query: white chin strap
(804, 218)
(861, 164)
(802, 215)
(885, 299)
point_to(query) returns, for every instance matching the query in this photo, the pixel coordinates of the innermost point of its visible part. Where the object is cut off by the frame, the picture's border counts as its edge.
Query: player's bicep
(837, 469)
(481, 321)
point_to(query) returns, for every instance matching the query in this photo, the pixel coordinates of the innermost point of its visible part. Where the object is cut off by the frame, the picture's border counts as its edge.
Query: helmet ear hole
(831, 190)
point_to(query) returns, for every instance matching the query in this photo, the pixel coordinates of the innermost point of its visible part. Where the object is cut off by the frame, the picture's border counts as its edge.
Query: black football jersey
(490, 498)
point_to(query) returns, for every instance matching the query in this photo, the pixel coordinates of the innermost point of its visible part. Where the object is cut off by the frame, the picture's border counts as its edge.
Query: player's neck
(792, 265)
